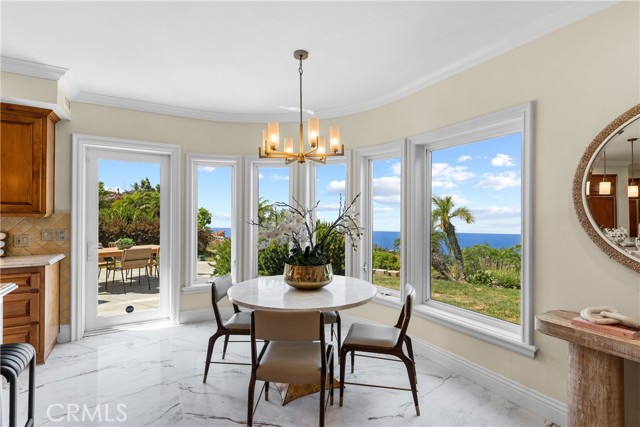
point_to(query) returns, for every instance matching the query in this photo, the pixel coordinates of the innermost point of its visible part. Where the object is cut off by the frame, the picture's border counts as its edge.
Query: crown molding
(562, 17)
(33, 69)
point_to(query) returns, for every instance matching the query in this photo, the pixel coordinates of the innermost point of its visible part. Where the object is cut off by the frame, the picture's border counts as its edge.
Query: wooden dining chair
(294, 352)
(135, 257)
(386, 340)
(238, 324)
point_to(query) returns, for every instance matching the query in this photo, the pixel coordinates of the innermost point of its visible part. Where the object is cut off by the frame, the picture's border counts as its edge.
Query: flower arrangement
(297, 226)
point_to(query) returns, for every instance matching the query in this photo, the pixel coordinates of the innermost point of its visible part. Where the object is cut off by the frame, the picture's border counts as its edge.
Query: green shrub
(221, 253)
(483, 278)
(507, 279)
(385, 260)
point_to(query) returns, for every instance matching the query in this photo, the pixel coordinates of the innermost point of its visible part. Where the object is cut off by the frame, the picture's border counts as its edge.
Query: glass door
(125, 225)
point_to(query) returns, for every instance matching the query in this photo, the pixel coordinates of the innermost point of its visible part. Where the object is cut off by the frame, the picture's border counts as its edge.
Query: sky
(484, 176)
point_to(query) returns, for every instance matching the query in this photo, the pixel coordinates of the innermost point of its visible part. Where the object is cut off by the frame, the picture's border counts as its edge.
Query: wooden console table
(596, 369)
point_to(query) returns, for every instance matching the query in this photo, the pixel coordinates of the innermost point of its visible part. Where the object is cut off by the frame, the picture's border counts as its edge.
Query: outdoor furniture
(14, 358)
(135, 257)
(386, 340)
(294, 351)
(238, 324)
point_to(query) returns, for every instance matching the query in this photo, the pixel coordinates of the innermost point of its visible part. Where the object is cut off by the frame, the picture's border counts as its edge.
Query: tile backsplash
(33, 227)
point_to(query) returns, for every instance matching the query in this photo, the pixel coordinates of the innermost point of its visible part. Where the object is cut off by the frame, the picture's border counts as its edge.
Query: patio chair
(294, 352)
(388, 340)
(135, 257)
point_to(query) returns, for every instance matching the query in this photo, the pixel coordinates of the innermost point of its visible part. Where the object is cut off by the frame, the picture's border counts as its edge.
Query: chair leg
(266, 391)
(409, 345)
(411, 371)
(212, 342)
(32, 390)
(343, 357)
(252, 386)
(353, 360)
(323, 386)
(146, 271)
(124, 284)
(224, 349)
(339, 326)
(12, 378)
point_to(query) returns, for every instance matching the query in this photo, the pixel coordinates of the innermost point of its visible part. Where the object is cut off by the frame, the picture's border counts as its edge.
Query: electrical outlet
(21, 241)
(48, 235)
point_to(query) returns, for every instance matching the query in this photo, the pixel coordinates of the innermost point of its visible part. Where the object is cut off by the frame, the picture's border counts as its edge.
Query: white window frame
(311, 197)
(251, 190)
(362, 180)
(192, 284)
(518, 338)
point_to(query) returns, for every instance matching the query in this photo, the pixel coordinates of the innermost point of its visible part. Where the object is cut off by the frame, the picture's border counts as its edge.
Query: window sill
(197, 288)
(485, 331)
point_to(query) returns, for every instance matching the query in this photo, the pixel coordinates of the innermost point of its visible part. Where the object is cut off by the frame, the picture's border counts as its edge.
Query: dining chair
(333, 318)
(387, 340)
(238, 324)
(135, 257)
(294, 352)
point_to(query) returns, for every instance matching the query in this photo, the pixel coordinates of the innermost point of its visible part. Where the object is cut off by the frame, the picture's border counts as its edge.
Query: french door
(126, 193)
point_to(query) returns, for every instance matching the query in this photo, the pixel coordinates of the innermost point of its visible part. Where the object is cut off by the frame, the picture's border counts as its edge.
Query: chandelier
(632, 189)
(318, 146)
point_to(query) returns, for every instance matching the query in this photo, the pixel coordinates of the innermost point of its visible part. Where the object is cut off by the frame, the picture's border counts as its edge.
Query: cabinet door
(21, 309)
(26, 161)
(26, 278)
(28, 334)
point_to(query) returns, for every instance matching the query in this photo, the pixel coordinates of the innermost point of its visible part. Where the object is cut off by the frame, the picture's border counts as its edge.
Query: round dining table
(272, 293)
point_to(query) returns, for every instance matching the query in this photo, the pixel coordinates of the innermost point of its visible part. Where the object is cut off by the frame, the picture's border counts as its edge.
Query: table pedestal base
(289, 392)
(595, 387)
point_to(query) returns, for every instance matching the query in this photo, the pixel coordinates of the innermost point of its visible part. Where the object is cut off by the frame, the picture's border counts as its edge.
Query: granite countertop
(29, 260)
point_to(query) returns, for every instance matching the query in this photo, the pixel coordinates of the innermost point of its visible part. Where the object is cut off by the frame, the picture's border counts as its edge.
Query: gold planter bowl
(308, 277)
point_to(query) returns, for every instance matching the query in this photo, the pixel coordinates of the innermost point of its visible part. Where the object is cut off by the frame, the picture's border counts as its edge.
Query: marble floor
(151, 375)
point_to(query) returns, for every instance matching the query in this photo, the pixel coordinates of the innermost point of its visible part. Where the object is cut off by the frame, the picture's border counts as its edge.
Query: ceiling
(234, 60)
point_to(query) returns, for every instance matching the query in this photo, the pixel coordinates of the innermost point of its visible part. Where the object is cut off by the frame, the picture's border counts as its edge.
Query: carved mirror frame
(579, 189)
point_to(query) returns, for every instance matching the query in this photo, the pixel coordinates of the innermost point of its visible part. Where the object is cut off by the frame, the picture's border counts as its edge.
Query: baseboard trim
(64, 334)
(203, 315)
(552, 409)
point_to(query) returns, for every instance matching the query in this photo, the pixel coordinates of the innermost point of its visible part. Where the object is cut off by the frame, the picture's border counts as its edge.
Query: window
(212, 226)
(329, 192)
(379, 182)
(270, 183)
(471, 249)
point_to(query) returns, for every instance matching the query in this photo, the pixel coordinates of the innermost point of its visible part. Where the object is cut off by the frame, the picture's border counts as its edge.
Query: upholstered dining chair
(333, 318)
(386, 340)
(294, 352)
(135, 257)
(238, 324)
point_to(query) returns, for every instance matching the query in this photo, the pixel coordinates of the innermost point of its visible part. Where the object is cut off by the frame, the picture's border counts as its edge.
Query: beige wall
(580, 78)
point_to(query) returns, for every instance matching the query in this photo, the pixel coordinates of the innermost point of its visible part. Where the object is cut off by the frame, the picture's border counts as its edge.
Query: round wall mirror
(605, 189)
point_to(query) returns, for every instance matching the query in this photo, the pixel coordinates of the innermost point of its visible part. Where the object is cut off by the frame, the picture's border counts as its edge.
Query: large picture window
(470, 213)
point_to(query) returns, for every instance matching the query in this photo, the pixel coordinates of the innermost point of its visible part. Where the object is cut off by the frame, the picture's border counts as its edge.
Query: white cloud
(463, 158)
(221, 216)
(382, 210)
(260, 175)
(115, 189)
(458, 199)
(276, 177)
(335, 187)
(445, 176)
(497, 211)
(386, 190)
(499, 181)
(328, 207)
(502, 160)
(396, 168)
(206, 168)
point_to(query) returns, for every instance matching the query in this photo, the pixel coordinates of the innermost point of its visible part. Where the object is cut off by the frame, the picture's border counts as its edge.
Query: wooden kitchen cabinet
(32, 311)
(27, 160)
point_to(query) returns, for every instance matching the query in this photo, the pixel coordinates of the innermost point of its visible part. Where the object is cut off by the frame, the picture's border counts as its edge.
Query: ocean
(385, 239)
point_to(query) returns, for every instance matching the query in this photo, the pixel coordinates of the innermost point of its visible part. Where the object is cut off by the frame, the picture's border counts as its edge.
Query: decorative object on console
(318, 151)
(609, 320)
(617, 235)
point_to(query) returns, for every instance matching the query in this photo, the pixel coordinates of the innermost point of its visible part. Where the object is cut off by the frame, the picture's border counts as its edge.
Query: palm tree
(438, 257)
(443, 212)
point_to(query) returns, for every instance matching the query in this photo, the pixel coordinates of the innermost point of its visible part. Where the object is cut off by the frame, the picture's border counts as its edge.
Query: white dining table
(272, 293)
